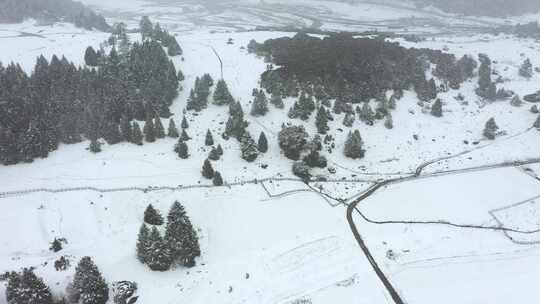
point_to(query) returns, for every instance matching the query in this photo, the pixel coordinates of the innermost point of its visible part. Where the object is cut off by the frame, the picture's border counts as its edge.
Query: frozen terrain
(280, 241)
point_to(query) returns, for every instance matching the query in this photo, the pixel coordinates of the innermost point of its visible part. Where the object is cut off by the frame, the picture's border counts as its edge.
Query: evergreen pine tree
(306, 105)
(184, 136)
(490, 131)
(159, 257)
(219, 150)
(321, 120)
(27, 288)
(181, 236)
(248, 147)
(143, 243)
(181, 149)
(146, 27)
(537, 123)
(534, 109)
(262, 144)
(516, 101)
(338, 106)
(392, 102)
(389, 123)
(91, 57)
(217, 180)
(382, 107)
(209, 140)
(260, 104)
(436, 108)
(207, 80)
(366, 114)
(222, 96)
(56, 245)
(292, 140)
(184, 124)
(89, 284)
(207, 170)
(172, 130)
(277, 101)
(180, 76)
(486, 88)
(158, 128)
(95, 146)
(112, 133)
(152, 216)
(526, 69)
(125, 129)
(192, 101)
(354, 145)
(149, 130)
(137, 136)
(236, 125)
(348, 120)
(294, 111)
(174, 48)
(214, 154)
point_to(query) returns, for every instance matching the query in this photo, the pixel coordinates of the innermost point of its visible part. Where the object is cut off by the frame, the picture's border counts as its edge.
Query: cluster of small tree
(181, 147)
(311, 159)
(362, 69)
(452, 71)
(155, 32)
(486, 87)
(303, 107)
(88, 286)
(198, 96)
(25, 288)
(314, 159)
(119, 38)
(60, 103)
(215, 153)
(180, 243)
(14, 11)
(208, 171)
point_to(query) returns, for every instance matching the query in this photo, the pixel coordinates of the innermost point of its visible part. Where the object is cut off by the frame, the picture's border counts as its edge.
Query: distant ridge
(15, 11)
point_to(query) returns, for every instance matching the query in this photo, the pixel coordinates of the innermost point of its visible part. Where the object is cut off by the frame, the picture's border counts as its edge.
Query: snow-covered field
(294, 244)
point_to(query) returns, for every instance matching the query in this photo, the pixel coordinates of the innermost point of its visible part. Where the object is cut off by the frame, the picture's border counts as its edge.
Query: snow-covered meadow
(262, 249)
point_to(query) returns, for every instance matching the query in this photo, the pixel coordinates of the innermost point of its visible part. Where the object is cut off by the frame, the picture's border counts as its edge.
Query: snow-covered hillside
(281, 241)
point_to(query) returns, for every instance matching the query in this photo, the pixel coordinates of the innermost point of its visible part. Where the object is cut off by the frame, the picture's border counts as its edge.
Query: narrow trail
(445, 223)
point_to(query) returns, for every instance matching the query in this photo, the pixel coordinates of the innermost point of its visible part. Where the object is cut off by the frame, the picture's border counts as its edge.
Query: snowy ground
(290, 247)
(458, 265)
(294, 244)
